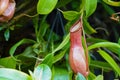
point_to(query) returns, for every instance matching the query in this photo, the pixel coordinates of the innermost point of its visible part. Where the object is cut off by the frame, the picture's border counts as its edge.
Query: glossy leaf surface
(90, 7)
(42, 72)
(46, 6)
(70, 15)
(11, 74)
(80, 77)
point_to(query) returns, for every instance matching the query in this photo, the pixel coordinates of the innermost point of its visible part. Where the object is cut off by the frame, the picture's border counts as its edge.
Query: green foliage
(12, 74)
(23, 41)
(100, 64)
(42, 72)
(59, 56)
(90, 7)
(8, 62)
(70, 15)
(112, 3)
(80, 77)
(99, 77)
(48, 60)
(110, 61)
(60, 74)
(91, 76)
(46, 6)
(88, 28)
(63, 43)
(7, 34)
(63, 3)
(110, 45)
(42, 48)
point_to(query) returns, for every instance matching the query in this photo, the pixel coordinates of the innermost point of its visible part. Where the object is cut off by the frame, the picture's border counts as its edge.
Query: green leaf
(12, 74)
(88, 28)
(108, 9)
(91, 76)
(114, 47)
(42, 72)
(1, 28)
(90, 7)
(35, 24)
(46, 6)
(48, 60)
(62, 3)
(59, 56)
(70, 15)
(8, 62)
(64, 42)
(43, 28)
(112, 3)
(60, 73)
(110, 61)
(80, 77)
(95, 40)
(99, 77)
(7, 34)
(28, 52)
(104, 44)
(23, 41)
(119, 41)
(100, 64)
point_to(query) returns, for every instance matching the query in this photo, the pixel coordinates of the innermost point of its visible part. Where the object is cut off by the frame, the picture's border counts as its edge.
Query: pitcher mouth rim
(80, 26)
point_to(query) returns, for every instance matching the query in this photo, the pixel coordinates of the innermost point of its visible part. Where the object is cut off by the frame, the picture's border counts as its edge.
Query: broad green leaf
(60, 73)
(112, 3)
(70, 15)
(82, 5)
(87, 27)
(48, 59)
(80, 77)
(7, 34)
(12, 74)
(64, 42)
(99, 77)
(100, 64)
(8, 62)
(90, 7)
(46, 6)
(110, 60)
(59, 56)
(40, 31)
(23, 41)
(42, 72)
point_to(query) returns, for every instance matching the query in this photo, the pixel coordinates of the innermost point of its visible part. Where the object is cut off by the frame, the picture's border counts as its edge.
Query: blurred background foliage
(37, 39)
